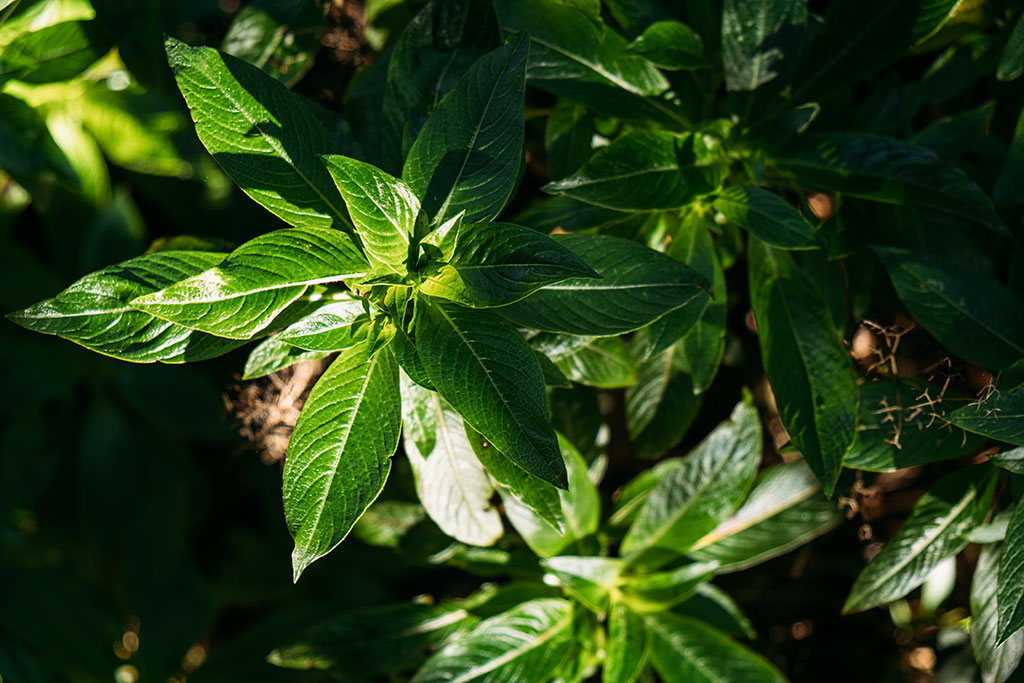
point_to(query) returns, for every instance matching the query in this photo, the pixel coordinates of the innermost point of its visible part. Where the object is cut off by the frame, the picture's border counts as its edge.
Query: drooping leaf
(339, 455)
(637, 286)
(686, 650)
(280, 37)
(273, 355)
(382, 208)
(525, 643)
(335, 326)
(588, 579)
(450, 481)
(693, 498)
(95, 312)
(662, 590)
(261, 134)
(254, 283)
(999, 417)
(997, 657)
(647, 171)
(466, 157)
(1011, 63)
(495, 264)
(768, 216)
(936, 529)
(806, 361)
(626, 647)
(670, 45)
(887, 170)
(485, 369)
(661, 405)
(785, 510)
(966, 310)
(1010, 593)
(758, 39)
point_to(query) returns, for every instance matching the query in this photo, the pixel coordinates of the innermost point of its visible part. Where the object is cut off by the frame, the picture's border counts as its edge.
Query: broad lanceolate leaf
(693, 498)
(466, 157)
(95, 312)
(257, 281)
(600, 362)
(936, 529)
(998, 657)
(661, 405)
(335, 326)
(648, 171)
(670, 45)
(637, 286)
(1000, 417)
(685, 650)
(757, 39)
(784, 510)
(382, 208)
(54, 53)
(967, 311)
(450, 481)
(626, 647)
(887, 170)
(485, 369)
(495, 264)
(1011, 581)
(525, 643)
(263, 136)
(340, 453)
(806, 361)
(662, 590)
(588, 579)
(768, 216)
(273, 355)
(281, 37)
(1011, 64)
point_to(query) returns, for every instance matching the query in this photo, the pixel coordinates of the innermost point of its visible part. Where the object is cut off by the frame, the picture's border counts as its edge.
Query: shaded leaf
(768, 216)
(1011, 63)
(26, 146)
(280, 37)
(999, 417)
(568, 137)
(605, 362)
(1010, 592)
(53, 53)
(335, 326)
(997, 657)
(661, 405)
(758, 39)
(670, 45)
(273, 355)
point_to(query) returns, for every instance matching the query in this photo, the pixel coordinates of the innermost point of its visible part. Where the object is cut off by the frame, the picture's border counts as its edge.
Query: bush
(795, 223)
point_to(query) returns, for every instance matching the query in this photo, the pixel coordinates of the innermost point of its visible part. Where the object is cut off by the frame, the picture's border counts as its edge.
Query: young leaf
(95, 312)
(785, 510)
(997, 656)
(1000, 417)
(670, 45)
(1011, 64)
(757, 38)
(340, 453)
(588, 579)
(627, 645)
(686, 650)
(768, 216)
(382, 208)
(693, 498)
(525, 643)
(273, 355)
(485, 369)
(450, 481)
(936, 529)
(805, 360)
(661, 405)
(495, 264)
(637, 286)
(663, 590)
(256, 281)
(1010, 592)
(335, 326)
(466, 157)
(261, 134)
(888, 170)
(647, 171)
(966, 310)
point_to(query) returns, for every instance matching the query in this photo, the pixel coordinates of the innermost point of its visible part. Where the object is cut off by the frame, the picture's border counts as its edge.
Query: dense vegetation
(623, 340)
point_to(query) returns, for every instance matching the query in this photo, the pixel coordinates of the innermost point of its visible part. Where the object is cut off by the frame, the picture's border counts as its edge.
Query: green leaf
(340, 453)
(54, 53)
(495, 264)
(626, 647)
(757, 40)
(335, 326)
(588, 579)
(638, 285)
(661, 405)
(936, 529)
(1005, 192)
(897, 429)
(966, 310)
(1011, 64)
(26, 146)
(372, 641)
(1010, 592)
(663, 590)
(693, 498)
(887, 170)
(785, 510)
(999, 417)
(686, 650)
(261, 134)
(273, 355)
(466, 157)
(768, 216)
(1011, 461)
(280, 37)
(715, 607)
(670, 45)
(605, 362)
(486, 370)
(256, 281)
(806, 361)
(647, 171)
(94, 312)
(997, 656)
(525, 643)
(382, 208)
(631, 498)
(568, 137)
(450, 481)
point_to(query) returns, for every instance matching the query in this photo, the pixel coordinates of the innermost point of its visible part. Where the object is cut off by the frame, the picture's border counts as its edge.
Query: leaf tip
(300, 561)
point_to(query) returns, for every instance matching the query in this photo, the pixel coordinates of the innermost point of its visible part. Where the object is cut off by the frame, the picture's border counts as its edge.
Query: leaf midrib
(500, 661)
(686, 653)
